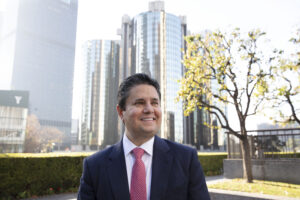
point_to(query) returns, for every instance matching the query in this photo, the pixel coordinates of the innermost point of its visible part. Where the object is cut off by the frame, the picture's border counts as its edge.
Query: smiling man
(142, 166)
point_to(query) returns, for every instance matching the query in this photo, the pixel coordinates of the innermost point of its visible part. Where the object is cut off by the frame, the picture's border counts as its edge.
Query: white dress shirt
(147, 159)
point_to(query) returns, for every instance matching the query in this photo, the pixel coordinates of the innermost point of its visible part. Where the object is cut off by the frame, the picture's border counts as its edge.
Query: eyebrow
(141, 99)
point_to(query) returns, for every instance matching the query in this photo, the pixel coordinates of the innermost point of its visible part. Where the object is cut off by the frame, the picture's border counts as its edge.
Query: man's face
(142, 114)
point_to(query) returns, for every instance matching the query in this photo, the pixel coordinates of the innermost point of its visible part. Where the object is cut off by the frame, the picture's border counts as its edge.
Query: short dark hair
(132, 81)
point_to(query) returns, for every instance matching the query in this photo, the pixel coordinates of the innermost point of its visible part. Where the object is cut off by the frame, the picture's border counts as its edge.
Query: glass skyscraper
(99, 116)
(152, 43)
(1, 23)
(38, 43)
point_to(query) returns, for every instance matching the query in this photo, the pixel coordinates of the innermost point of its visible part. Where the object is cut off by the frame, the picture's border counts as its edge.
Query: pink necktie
(138, 177)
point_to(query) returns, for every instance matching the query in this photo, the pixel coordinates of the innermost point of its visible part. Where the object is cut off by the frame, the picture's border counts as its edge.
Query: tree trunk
(247, 165)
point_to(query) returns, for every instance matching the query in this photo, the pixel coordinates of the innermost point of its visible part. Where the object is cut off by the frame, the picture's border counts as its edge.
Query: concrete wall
(272, 170)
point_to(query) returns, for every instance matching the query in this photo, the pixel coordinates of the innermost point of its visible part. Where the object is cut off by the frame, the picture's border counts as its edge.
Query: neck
(138, 141)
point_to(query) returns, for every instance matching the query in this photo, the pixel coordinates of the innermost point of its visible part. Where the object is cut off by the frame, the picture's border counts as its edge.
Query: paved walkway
(73, 196)
(215, 194)
(214, 179)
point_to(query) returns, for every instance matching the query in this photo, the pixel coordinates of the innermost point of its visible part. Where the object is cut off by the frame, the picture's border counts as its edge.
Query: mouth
(148, 119)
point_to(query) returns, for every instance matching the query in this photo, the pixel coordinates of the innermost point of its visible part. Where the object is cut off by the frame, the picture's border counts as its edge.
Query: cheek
(132, 113)
(158, 112)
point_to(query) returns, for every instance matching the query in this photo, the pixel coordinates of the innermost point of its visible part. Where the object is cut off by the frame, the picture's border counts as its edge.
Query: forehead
(143, 91)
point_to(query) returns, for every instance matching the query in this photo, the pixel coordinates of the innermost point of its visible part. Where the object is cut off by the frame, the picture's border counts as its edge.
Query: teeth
(147, 119)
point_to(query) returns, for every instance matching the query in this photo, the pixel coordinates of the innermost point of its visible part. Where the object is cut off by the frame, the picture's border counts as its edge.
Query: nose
(148, 108)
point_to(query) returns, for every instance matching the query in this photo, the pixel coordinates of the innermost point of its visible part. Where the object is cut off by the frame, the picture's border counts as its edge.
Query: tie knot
(138, 153)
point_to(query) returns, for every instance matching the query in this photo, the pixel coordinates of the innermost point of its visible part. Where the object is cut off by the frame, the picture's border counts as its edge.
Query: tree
(49, 136)
(284, 89)
(38, 138)
(32, 138)
(222, 70)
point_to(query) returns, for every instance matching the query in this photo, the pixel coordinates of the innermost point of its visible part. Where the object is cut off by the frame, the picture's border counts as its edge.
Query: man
(142, 166)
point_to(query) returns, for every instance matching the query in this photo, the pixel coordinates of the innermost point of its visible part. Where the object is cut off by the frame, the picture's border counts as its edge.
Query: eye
(155, 103)
(139, 103)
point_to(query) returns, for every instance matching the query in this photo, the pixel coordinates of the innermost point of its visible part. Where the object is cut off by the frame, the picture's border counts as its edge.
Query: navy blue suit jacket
(176, 174)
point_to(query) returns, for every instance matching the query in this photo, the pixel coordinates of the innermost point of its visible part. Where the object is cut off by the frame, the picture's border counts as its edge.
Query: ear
(120, 112)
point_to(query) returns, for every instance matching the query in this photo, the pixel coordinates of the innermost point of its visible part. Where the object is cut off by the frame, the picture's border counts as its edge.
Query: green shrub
(212, 163)
(22, 177)
(28, 175)
(280, 155)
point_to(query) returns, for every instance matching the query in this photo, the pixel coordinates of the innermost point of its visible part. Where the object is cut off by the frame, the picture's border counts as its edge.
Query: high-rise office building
(4, 80)
(39, 42)
(99, 116)
(152, 43)
(197, 134)
(1, 23)
(74, 131)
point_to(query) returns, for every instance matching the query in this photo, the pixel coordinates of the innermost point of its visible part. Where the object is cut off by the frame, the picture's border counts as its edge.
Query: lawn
(258, 186)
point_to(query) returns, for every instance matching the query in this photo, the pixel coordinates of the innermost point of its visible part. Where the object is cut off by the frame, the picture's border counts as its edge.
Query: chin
(150, 132)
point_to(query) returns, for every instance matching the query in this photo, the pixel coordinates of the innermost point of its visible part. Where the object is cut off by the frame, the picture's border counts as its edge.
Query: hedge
(28, 175)
(212, 163)
(279, 155)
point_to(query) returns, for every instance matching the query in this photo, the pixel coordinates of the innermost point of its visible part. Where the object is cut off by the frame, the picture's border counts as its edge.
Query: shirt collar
(129, 146)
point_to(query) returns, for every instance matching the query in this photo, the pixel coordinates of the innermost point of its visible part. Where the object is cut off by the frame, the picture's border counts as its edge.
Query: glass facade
(157, 42)
(90, 59)
(152, 43)
(99, 116)
(38, 44)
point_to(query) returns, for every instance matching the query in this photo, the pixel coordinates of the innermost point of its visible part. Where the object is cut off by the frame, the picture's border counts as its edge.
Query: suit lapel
(161, 167)
(117, 173)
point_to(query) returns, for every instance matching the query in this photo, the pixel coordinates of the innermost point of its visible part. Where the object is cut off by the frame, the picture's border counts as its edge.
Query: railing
(268, 144)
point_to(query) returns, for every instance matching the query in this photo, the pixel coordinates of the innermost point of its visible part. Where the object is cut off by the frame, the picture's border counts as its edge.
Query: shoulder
(184, 157)
(177, 149)
(101, 156)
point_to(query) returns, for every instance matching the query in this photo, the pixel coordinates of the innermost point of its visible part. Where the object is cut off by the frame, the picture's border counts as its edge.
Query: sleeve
(86, 190)
(197, 189)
